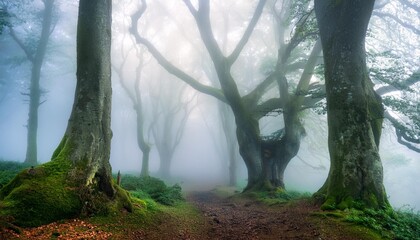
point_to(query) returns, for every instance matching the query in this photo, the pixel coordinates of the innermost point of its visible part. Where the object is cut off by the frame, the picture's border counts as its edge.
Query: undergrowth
(278, 196)
(152, 188)
(9, 169)
(401, 224)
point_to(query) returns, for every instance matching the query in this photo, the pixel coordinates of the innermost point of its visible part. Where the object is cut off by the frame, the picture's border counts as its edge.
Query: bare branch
(217, 93)
(413, 79)
(190, 7)
(256, 94)
(28, 53)
(398, 20)
(402, 136)
(202, 19)
(410, 5)
(268, 106)
(247, 34)
(303, 85)
(401, 140)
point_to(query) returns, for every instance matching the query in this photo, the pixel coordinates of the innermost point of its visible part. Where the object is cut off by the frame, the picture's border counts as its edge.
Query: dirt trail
(247, 219)
(218, 218)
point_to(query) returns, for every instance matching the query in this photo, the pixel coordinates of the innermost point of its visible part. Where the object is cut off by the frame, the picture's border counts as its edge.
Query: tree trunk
(35, 91)
(88, 130)
(228, 126)
(250, 150)
(277, 153)
(141, 141)
(34, 100)
(354, 113)
(165, 163)
(232, 165)
(78, 180)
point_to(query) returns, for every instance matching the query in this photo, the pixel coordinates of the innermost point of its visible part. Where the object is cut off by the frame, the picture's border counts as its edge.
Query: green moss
(329, 204)
(347, 202)
(149, 187)
(40, 195)
(52, 192)
(275, 196)
(333, 223)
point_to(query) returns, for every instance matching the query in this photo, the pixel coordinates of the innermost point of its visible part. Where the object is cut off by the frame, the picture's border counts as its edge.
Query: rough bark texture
(35, 90)
(354, 110)
(88, 130)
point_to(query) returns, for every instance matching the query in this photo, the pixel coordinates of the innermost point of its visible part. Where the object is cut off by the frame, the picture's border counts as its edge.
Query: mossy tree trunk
(355, 112)
(77, 181)
(88, 132)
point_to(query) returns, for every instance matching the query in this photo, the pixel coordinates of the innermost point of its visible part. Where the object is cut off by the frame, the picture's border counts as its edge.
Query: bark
(228, 126)
(88, 134)
(355, 112)
(35, 90)
(277, 153)
(247, 131)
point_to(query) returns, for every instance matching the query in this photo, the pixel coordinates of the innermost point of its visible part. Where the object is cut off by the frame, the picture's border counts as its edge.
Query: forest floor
(205, 215)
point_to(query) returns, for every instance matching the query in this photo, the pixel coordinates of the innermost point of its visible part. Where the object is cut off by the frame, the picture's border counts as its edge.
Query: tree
(35, 50)
(78, 179)
(4, 19)
(248, 108)
(355, 111)
(136, 99)
(398, 78)
(170, 110)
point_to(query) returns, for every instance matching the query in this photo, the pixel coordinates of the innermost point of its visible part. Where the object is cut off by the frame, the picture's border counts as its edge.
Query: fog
(199, 160)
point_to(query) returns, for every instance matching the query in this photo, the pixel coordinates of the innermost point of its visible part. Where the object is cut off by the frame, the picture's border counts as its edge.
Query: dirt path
(246, 219)
(217, 218)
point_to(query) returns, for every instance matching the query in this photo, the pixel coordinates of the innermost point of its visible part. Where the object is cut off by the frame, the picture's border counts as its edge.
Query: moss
(40, 195)
(51, 192)
(329, 204)
(334, 223)
(346, 203)
(122, 199)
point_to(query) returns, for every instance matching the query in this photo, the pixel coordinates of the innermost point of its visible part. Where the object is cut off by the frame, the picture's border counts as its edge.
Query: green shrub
(401, 224)
(150, 187)
(9, 169)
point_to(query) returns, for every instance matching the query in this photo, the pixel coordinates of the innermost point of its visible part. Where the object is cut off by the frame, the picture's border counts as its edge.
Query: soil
(247, 219)
(215, 217)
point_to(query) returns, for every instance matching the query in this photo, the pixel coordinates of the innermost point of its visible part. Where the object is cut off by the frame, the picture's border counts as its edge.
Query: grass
(277, 196)
(401, 224)
(9, 169)
(152, 188)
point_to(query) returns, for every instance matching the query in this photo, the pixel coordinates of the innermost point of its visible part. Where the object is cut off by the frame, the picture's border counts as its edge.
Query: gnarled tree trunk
(355, 113)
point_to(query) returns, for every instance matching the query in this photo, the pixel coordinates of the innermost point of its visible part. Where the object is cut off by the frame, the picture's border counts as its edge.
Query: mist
(200, 160)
